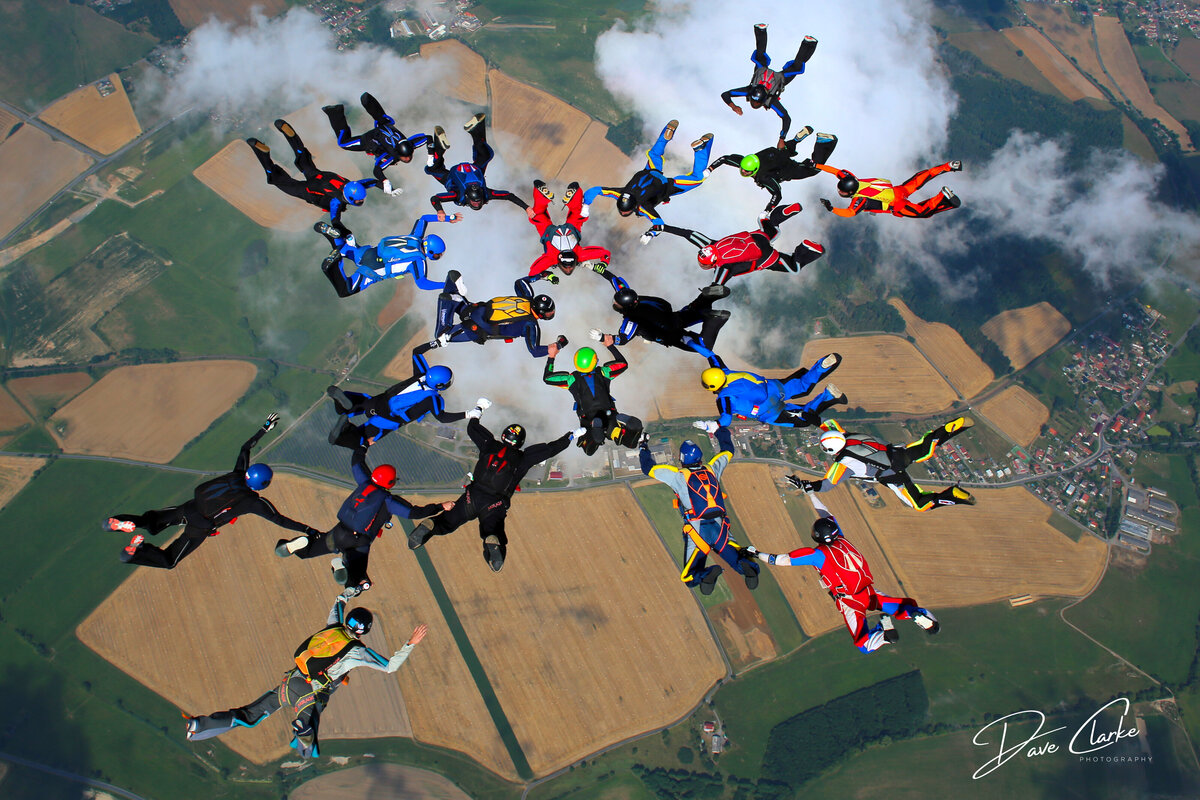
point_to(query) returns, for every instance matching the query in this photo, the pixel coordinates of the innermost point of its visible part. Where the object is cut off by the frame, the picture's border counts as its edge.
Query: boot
(927, 621)
(703, 140)
(420, 534)
(716, 291)
(287, 547)
(669, 131)
(950, 199)
(337, 117)
(713, 322)
(439, 142)
(493, 553)
(339, 570)
(540, 186)
(889, 629)
(807, 48)
(709, 581)
(474, 122)
(340, 401)
(372, 107)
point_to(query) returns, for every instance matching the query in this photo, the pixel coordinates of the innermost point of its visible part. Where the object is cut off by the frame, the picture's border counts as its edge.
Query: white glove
(443, 340)
(483, 403)
(706, 425)
(475, 413)
(350, 241)
(388, 189)
(708, 171)
(575, 434)
(460, 286)
(596, 335)
(763, 216)
(646, 237)
(584, 210)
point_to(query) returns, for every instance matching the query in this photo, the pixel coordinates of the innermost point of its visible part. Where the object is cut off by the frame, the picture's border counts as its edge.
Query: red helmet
(707, 257)
(384, 475)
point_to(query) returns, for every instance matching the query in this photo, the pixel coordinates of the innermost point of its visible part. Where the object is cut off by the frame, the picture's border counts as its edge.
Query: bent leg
(481, 152)
(802, 381)
(654, 156)
(685, 183)
(247, 716)
(926, 208)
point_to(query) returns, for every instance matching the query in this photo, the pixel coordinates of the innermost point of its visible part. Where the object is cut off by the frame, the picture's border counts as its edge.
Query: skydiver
(766, 85)
(323, 662)
(325, 190)
(593, 399)
(654, 319)
(855, 456)
(747, 395)
(701, 503)
(879, 196)
(214, 503)
(385, 143)
(361, 519)
(562, 243)
(508, 318)
(747, 251)
(772, 166)
(393, 257)
(497, 474)
(847, 577)
(649, 186)
(410, 400)
(464, 183)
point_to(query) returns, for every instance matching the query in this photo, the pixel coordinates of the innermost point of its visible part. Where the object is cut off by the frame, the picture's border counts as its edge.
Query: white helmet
(833, 441)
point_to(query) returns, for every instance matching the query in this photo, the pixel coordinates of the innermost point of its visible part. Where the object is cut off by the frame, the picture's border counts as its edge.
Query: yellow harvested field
(397, 307)
(8, 121)
(465, 74)
(379, 782)
(883, 373)
(1074, 39)
(11, 414)
(1023, 334)
(964, 555)
(1017, 413)
(15, 472)
(432, 697)
(595, 161)
(51, 389)
(1120, 61)
(587, 636)
(1064, 75)
(400, 367)
(150, 411)
(105, 123)
(548, 128)
(234, 173)
(39, 165)
(196, 12)
(950, 354)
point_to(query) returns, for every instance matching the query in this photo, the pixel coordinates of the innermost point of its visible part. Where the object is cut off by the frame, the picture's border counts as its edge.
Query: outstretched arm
(437, 200)
(502, 194)
(779, 215)
(481, 437)
(727, 98)
(618, 364)
(243, 460)
(731, 160)
(695, 237)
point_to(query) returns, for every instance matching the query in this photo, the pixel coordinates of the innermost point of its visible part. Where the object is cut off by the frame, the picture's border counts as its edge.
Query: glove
(562, 342)
(483, 403)
(750, 550)
(644, 441)
(475, 413)
(584, 210)
(272, 419)
(442, 340)
(551, 278)
(350, 240)
(596, 335)
(388, 189)
(803, 485)
(828, 205)
(708, 171)
(655, 230)
(706, 425)
(577, 433)
(808, 162)
(460, 286)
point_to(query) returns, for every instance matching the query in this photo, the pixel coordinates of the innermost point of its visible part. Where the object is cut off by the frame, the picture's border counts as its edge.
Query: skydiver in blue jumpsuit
(393, 257)
(747, 395)
(465, 184)
(460, 320)
(766, 85)
(385, 142)
(649, 186)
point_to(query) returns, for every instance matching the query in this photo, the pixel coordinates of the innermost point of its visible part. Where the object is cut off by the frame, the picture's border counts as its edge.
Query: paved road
(70, 776)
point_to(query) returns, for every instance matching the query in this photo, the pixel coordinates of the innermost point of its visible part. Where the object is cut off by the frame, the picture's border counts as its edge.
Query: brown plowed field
(380, 782)
(1017, 413)
(1122, 64)
(548, 128)
(1074, 39)
(432, 697)
(49, 390)
(39, 165)
(397, 307)
(595, 160)
(400, 367)
(15, 472)
(234, 173)
(587, 636)
(1023, 334)
(7, 122)
(466, 72)
(105, 124)
(1065, 77)
(195, 12)
(150, 411)
(11, 414)
(945, 347)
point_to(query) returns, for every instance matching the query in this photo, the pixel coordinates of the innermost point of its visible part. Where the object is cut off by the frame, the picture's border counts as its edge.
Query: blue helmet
(258, 477)
(354, 192)
(434, 246)
(690, 454)
(439, 377)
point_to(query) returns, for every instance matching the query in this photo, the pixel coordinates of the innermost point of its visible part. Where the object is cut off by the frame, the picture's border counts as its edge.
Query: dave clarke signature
(1090, 737)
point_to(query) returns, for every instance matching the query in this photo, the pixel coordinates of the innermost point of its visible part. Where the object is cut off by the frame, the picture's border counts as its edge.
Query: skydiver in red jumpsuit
(562, 242)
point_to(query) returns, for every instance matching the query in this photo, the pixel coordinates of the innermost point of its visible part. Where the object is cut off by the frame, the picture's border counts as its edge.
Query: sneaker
(132, 547)
(259, 146)
(761, 26)
(325, 229)
(493, 553)
(927, 621)
(715, 290)
(285, 129)
(669, 130)
(830, 361)
(710, 580)
(338, 567)
(572, 188)
(961, 496)
(751, 577)
(191, 727)
(889, 629)
(121, 525)
(839, 397)
(875, 641)
(951, 198)
(813, 246)
(474, 122)
(956, 166)
(286, 547)
(420, 534)
(440, 138)
(958, 424)
(540, 186)
(802, 134)
(703, 140)
(339, 398)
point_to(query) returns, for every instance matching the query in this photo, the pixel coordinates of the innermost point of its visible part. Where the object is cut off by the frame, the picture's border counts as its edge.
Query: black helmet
(825, 530)
(543, 306)
(359, 621)
(626, 204)
(404, 150)
(847, 186)
(567, 261)
(475, 195)
(514, 435)
(625, 300)
(757, 95)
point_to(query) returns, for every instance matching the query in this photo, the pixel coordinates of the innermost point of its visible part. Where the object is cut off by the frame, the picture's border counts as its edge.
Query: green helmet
(750, 164)
(585, 359)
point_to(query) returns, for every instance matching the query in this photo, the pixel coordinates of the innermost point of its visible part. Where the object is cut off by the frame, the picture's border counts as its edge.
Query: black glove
(808, 162)
(828, 205)
(272, 419)
(562, 342)
(802, 484)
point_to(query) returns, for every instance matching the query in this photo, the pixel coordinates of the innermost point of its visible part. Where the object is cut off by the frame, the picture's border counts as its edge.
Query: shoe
(338, 109)
(803, 134)
(121, 525)
(751, 577)
(132, 548)
(339, 398)
(761, 26)
(259, 146)
(927, 621)
(710, 580)
(956, 166)
(440, 138)
(703, 140)
(875, 641)
(959, 424)
(813, 246)
(285, 129)
(474, 122)
(325, 229)
(839, 397)
(951, 198)
(493, 553)
(191, 727)
(889, 629)
(572, 188)
(669, 130)
(715, 290)
(286, 547)
(420, 534)
(961, 496)
(830, 361)
(338, 567)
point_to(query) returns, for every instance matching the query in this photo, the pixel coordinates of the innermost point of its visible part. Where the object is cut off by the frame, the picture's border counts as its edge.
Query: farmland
(465, 74)
(48, 391)
(235, 175)
(1023, 334)
(1121, 63)
(105, 123)
(1017, 413)
(547, 127)
(883, 373)
(15, 472)
(1061, 73)
(380, 782)
(194, 12)
(1073, 38)
(31, 159)
(946, 349)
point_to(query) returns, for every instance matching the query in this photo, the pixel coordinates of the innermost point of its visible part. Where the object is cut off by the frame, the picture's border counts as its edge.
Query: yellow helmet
(713, 378)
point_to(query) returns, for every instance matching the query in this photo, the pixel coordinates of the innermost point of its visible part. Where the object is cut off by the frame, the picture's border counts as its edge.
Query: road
(70, 776)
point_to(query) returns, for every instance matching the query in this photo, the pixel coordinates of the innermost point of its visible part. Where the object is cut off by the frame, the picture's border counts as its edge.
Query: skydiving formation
(742, 398)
